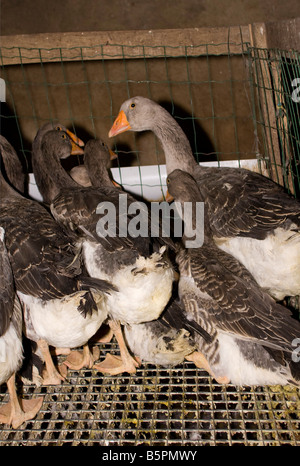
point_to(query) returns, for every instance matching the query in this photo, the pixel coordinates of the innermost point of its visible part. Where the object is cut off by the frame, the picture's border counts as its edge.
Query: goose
(62, 305)
(46, 187)
(11, 350)
(166, 341)
(142, 275)
(12, 170)
(250, 216)
(94, 166)
(169, 339)
(253, 339)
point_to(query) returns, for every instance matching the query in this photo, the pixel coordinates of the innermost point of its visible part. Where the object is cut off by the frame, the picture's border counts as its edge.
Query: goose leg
(77, 360)
(104, 335)
(200, 361)
(115, 364)
(60, 351)
(18, 411)
(51, 375)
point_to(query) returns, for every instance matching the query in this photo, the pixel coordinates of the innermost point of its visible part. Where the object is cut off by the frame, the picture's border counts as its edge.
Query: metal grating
(157, 407)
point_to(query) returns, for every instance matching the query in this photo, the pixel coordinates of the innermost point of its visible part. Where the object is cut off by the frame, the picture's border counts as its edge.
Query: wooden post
(282, 35)
(258, 40)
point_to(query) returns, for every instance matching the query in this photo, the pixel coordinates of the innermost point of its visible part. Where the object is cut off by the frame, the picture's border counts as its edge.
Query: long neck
(177, 149)
(98, 173)
(49, 174)
(196, 226)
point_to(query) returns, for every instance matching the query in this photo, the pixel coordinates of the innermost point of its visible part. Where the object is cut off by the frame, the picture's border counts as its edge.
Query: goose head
(59, 144)
(142, 114)
(183, 187)
(50, 126)
(94, 172)
(136, 114)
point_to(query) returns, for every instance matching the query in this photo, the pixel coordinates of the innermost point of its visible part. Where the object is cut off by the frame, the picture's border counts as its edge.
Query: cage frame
(156, 43)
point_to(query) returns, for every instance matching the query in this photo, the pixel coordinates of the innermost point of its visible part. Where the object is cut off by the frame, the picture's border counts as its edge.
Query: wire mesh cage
(239, 106)
(276, 77)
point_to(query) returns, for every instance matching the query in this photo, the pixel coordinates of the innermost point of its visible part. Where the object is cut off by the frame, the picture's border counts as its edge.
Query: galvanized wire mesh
(276, 76)
(234, 101)
(208, 92)
(157, 407)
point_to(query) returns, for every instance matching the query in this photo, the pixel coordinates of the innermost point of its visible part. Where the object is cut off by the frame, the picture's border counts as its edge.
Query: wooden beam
(32, 48)
(284, 35)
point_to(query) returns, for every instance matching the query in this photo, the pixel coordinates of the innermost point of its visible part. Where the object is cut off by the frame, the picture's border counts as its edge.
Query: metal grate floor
(157, 407)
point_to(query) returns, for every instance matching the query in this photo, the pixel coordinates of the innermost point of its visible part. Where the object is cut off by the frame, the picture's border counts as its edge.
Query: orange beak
(76, 150)
(112, 154)
(76, 143)
(75, 139)
(120, 125)
(117, 185)
(168, 197)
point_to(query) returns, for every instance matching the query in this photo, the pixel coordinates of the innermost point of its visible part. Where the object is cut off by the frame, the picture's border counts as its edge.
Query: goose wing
(245, 203)
(232, 303)
(43, 260)
(86, 210)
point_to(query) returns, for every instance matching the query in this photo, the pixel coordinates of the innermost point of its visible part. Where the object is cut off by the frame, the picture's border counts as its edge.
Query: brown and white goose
(167, 340)
(142, 275)
(63, 306)
(253, 339)
(250, 216)
(11, 351)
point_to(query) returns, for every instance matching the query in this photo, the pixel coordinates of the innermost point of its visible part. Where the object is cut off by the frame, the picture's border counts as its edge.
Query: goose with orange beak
(39, 164)
(62, 306)
(137, 266)
(140, 270)
(250, 216)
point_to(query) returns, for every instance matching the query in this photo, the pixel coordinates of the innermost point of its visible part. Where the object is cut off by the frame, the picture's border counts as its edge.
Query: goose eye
(58, 128)
(64, 136)
(132, 105)
(168, 180)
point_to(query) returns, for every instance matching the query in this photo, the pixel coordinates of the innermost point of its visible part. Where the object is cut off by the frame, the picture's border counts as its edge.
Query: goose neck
(175, 144)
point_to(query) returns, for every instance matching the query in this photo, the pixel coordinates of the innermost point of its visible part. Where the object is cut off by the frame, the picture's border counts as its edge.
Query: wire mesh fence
(208, 91)
(234, 101)
(239, 106)
(276, 78)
